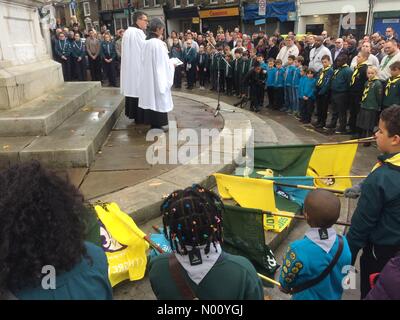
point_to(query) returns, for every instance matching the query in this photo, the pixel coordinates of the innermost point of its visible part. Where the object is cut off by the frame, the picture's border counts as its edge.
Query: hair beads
(192, 217)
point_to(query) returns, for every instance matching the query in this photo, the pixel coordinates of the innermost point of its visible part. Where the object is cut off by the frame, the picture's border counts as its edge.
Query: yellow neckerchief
(356, 72)
(389, 84)
(395, 160)
(337, 70)
(322, 75)
(367, 87)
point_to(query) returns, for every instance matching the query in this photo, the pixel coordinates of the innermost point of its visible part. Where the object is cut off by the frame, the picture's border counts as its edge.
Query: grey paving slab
(42, 115)
(74, 143)
(10, 147)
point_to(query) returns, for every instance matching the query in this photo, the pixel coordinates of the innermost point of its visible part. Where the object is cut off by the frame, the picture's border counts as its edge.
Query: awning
(277, 10)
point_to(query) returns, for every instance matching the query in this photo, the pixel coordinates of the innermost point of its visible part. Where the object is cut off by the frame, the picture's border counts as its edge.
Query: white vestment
(132, 46)
(157, 77)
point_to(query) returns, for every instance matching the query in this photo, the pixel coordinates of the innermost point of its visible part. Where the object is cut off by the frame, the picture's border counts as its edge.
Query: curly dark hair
(192, 217)
(41, 223)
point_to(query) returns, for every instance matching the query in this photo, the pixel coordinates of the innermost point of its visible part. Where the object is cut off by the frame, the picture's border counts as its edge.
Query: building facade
(86, 12)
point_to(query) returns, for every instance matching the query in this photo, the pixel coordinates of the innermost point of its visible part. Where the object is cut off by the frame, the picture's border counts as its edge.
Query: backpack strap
(184, 288)
(322, 276)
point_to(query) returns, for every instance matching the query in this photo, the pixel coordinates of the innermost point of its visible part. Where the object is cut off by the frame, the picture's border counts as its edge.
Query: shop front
(182, 19)
(226, 18)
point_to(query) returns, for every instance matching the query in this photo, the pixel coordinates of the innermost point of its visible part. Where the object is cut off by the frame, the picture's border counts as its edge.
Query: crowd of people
(302, 76)
(362, 78)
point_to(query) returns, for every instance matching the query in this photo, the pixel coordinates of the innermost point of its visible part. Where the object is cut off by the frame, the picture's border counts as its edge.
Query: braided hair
(192, 217)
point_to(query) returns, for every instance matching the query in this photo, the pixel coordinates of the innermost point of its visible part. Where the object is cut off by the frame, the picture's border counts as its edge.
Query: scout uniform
(108, 51)
(375, 226)
(391, 94)
(63, 48)
(78, 50)
(323, 94)
(307, 258)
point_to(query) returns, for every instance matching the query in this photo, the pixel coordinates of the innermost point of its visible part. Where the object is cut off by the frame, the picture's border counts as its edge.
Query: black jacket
(343, 52)
(272, 52)
(307, 50)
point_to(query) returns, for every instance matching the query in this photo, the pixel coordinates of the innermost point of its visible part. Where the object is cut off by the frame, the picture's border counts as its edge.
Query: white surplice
(132, 46)
(157, 77)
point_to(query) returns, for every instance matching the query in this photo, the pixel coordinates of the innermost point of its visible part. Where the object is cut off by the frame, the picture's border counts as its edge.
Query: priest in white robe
(131, 53)
(157, 78)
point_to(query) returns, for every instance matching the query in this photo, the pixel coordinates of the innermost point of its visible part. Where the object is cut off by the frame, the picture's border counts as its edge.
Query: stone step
(42, 115)
(76, 141)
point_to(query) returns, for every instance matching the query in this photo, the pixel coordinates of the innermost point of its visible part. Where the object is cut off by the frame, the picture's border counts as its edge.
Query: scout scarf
(198, 272)
(367, 87)
(337, 70)
(323, 238)
(62, 48)
(356, 72)
(395, 160)
(389, 84)
(322, 75)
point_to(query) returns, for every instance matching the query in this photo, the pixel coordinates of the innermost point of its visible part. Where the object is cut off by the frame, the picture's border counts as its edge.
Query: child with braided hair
(199, 268)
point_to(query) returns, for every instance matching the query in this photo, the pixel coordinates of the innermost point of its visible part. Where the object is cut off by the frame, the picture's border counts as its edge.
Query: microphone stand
(219, 57)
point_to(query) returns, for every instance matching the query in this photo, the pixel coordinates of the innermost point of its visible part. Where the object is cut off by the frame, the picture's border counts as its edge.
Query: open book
(176, 61)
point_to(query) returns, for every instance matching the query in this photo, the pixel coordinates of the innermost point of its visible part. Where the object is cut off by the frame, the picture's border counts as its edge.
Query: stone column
(26, 69)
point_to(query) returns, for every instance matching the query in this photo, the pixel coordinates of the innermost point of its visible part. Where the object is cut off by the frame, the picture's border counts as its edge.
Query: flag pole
(299, 186)
(356, 141)
(269, 279)
(341, 223)
(317, 178)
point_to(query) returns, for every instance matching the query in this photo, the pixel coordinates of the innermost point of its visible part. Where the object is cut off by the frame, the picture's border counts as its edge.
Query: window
(72, 9)
(213, 1)
(177, 3)
(146, 3)
(157, 3)
(229, 0)
(86, 9)
(190, 2)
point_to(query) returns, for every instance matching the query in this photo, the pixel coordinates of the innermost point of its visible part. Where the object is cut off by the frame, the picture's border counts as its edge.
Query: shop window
(86, 9)
(146, 3)
(177, 3)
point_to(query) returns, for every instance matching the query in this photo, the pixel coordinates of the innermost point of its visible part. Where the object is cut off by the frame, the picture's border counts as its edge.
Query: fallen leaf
(154, 184)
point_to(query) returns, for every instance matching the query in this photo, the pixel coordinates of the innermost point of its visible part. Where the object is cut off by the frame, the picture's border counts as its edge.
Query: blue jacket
(279, 78)
(289, 75)
(270, 80)
(296, 78)
(108, 50)
(325, 86)
(301, 86)
(78, 49)
(305, 260)
(309, 88)
(62, 48)
(190, 56)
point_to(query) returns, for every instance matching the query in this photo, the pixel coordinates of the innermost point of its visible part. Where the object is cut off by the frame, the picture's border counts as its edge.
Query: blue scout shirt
(279, 78)
(289, 75)
(270, 80)
(307, 258)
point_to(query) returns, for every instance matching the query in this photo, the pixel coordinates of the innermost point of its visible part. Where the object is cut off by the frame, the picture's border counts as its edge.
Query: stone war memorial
(41, 117)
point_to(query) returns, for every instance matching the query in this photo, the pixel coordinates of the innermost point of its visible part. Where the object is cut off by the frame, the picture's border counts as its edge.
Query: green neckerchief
(389, 84)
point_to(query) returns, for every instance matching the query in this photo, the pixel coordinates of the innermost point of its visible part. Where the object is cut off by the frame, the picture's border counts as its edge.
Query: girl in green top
(371, 99)
(43, 223)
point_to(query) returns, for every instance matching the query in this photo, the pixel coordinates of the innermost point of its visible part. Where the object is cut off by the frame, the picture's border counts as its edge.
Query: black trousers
(355, 107)
(221, 80)
(270, 93)
(322, 108)
(256, 96)
(66, 68)
(202, 76)
(339, 107)
(279, 97)
(373, 259)
(229, 85)
(80, 69)
(178, 77)
(95, 69)
(308, 110)
(214, 77)
(110, 72)
(191, 76)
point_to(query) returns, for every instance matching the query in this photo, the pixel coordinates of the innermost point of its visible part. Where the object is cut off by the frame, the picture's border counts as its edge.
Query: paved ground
(122, 160)
(364, 161)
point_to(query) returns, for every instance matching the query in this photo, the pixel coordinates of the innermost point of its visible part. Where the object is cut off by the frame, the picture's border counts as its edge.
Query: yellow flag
(254, 194)
(123, 244)
(332, 160)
